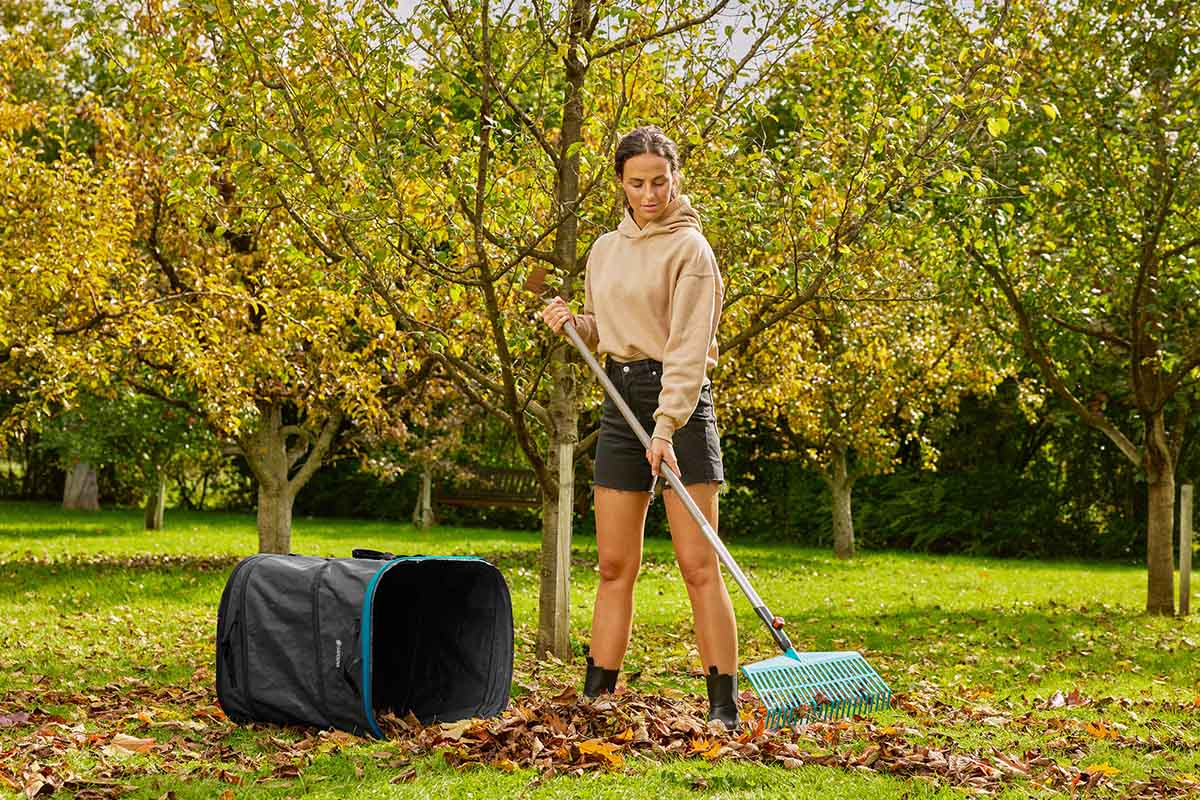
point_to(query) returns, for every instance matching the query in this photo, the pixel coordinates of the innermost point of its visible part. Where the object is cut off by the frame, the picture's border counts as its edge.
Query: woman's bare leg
(712, 610)
(620, 523)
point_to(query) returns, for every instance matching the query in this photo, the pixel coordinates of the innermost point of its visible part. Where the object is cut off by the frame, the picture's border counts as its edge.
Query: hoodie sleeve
(585, 323)
(695, 310)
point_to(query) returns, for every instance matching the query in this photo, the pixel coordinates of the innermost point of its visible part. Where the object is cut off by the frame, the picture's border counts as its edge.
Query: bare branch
(637, 41)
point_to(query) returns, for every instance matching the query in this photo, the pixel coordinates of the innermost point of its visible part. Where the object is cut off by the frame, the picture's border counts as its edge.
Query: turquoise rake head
(801, 687)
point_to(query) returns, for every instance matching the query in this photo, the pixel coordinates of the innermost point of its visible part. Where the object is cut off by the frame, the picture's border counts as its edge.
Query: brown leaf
(568, 695)
(10, 720)
(455, 730)
(38, 785)
(132, 743)
(605, 751)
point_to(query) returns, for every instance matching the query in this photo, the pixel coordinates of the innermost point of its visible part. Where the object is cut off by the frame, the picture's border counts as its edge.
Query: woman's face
(649, 186)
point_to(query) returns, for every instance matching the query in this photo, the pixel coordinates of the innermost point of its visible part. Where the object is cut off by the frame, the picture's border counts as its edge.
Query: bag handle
(374, 555)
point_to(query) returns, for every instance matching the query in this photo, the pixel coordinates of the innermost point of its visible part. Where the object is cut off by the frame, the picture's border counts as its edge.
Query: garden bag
(332, 642)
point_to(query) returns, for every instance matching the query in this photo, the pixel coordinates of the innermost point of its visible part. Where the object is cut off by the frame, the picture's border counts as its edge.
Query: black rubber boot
(599, 680)
(722, 698)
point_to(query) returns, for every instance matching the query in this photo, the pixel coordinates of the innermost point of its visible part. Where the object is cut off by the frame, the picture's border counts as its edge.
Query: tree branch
(1097, 330)
(1033, 348)
(317, 454)
(636, 41)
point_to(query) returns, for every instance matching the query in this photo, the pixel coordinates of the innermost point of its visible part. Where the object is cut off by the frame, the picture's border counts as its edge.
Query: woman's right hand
(556, 314)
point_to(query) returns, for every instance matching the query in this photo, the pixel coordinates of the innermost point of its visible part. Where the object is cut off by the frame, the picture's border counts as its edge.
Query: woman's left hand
(661, 450)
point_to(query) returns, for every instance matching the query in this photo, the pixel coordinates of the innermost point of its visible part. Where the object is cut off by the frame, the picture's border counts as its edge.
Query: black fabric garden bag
(331, 642)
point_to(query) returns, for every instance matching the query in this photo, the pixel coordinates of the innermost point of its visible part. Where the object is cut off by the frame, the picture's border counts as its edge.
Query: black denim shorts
(620, 457)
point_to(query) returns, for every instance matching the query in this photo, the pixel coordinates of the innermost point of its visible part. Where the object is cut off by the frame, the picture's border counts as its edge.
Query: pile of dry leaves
(563, 733)
(130, 729)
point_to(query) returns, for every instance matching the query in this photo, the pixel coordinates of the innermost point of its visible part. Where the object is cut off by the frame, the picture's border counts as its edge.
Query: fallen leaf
(455, 730)
(1104, 769)
(132, 743)
(604, 750)
(9, 720)
(35, 785)
(1100, 730)
(406, 776)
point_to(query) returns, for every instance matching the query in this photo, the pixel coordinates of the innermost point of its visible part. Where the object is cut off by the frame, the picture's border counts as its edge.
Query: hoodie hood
(677, 216)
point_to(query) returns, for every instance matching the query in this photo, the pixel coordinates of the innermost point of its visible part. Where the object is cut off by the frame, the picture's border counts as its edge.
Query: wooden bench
(491, 487)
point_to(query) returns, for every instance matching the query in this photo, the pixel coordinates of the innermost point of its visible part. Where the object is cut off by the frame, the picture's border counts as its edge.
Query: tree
(841, 332)
(140, 436)
(137, 260)
(1089, 233)
(857, 379)
(443, 156)
(65, 212)
(445, 180)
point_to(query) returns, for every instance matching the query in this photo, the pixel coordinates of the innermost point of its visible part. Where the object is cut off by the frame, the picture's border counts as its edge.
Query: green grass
(80, 613)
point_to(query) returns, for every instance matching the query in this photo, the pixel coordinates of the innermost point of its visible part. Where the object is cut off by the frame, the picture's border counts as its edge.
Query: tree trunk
(82, 492)
(274, 518)
(423, 512)
(840, 484)
(1160, 533)
(554, 620)
(554, 611)
(156, 503)
(271, 460)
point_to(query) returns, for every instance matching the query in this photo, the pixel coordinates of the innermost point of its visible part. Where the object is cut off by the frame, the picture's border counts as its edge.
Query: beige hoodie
(655, 292)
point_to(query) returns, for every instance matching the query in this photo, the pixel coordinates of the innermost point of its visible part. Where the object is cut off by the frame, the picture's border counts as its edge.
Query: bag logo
(337, 658)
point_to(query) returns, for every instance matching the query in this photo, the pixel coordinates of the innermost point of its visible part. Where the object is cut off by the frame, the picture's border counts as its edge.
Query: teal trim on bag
(365, 633)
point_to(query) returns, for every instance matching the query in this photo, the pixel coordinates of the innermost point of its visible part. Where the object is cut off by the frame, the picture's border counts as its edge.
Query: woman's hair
(646, 139)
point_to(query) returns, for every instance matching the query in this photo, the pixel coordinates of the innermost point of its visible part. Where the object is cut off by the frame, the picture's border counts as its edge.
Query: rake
(794, 687)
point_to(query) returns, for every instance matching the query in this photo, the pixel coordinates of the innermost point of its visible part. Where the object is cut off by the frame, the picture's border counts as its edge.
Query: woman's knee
(700, 572)
(618, 569)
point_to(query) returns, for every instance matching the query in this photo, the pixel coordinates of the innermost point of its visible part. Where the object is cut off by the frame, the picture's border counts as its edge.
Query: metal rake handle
(773, 623)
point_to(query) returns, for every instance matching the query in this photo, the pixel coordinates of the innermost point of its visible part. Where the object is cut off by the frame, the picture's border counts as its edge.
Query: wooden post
(1185, 549)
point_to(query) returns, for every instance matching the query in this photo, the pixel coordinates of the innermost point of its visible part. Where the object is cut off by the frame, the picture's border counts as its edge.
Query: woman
(652, 300)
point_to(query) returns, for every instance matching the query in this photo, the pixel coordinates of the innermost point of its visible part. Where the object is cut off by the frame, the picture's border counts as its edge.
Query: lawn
(1048, 666)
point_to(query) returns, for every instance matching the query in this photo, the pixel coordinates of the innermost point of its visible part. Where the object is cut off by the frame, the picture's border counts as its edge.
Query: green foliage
(142, 438)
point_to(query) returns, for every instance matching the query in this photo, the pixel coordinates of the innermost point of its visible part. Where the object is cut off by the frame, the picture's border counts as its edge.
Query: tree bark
(271, 460)
(840, 484)
(554, 619)
(1160, 534)
(156, 503)
(82, 491)
(423, 512)
(274, 518)
(554, 611)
